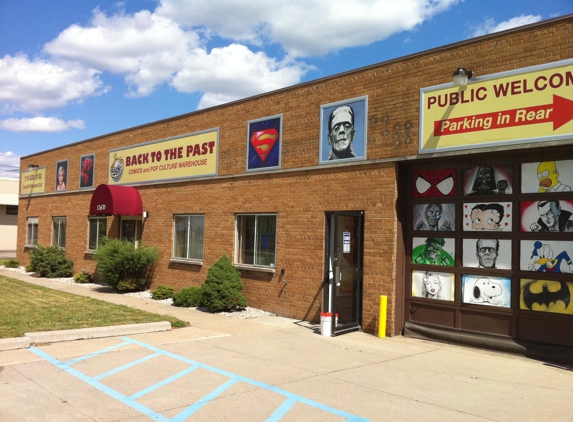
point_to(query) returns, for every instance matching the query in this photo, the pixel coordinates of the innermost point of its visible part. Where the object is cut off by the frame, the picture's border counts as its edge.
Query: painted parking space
(286, 405)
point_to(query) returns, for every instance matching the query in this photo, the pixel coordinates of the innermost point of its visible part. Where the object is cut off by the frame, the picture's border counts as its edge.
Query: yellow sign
(33, 181)
(175, 158)
(528, 105)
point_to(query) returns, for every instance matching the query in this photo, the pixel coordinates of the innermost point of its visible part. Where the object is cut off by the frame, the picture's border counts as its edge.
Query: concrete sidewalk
(358, 374)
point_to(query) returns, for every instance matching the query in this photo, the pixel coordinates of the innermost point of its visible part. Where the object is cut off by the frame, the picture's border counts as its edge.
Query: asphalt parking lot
(270, 369)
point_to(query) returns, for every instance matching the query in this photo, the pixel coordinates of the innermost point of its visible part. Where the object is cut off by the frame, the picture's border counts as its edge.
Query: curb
(31, 339)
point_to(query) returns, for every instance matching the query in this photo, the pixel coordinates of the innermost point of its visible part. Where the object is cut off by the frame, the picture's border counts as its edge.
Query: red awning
(116, 200)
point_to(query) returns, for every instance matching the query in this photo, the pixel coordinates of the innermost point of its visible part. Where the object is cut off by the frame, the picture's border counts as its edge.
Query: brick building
(8, 215)
(254, 179)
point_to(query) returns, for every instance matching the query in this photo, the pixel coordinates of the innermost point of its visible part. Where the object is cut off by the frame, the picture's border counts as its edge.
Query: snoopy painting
(492, 291)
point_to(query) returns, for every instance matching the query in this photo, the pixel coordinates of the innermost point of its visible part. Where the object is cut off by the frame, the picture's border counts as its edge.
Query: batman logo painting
(548, 297)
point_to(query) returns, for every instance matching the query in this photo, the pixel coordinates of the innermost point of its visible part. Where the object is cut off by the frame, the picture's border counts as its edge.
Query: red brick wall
(302, 191)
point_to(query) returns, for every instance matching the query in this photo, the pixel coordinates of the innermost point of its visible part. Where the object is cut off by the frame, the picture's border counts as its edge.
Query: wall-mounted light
(461, 76)
(145, 214)
(32, 166)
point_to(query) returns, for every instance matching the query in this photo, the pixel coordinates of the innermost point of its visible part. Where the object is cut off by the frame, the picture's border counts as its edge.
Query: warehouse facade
(325, 194)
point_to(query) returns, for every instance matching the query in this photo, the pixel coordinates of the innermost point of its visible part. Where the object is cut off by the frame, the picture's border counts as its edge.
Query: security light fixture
(32, 166)
(461, 76)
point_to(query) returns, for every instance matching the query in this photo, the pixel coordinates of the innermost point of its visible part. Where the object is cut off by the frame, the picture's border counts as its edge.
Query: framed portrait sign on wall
(264, 143)
(343, 128)
(87, 165)
(62, 175)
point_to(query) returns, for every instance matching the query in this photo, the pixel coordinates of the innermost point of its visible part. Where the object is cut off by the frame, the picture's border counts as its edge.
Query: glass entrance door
(343, 280)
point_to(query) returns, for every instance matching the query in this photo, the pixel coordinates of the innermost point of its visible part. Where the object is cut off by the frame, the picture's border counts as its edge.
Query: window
(130, 229)
(59, 232)
(188, 236)
(256, 240)
(98, 227)
(32, 231)
(11, 209)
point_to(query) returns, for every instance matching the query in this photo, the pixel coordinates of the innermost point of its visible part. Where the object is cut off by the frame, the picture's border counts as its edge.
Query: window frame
(32, 241)
(59, 220)
(99, 220)
(239, 242)
(11, 209)
(188, 240)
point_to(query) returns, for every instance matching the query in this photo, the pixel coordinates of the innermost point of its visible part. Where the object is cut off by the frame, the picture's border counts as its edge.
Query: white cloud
(31, 85)
(234, 72)
(169, 46)
(146, 48)
(9, 165)
(40, 124)
(304, 27)
(489, 26)
(149, 50)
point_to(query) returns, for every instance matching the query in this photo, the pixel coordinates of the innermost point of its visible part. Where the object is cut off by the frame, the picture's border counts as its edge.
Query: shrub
(162, 292)
(223, 286)
(12, 263)
(83, 277)
(188, 297)
(29, 268)
(50, 262)
(123, 267)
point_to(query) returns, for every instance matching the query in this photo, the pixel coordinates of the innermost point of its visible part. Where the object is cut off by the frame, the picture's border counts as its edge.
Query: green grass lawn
(26, 308)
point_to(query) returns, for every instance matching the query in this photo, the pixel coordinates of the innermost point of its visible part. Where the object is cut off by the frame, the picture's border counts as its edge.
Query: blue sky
(71, 70)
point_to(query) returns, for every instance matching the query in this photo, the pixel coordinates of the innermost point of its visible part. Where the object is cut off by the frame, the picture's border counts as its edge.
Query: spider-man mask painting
(431, 183)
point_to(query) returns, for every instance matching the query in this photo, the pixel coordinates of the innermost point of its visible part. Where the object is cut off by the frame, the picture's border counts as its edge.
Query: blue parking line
(102, 387)
(163, 383)
(126, 366)
(202, 402)
(282, 410)
(91, 355)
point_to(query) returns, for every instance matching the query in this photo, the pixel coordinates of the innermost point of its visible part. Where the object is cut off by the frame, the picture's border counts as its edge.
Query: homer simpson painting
(547, 177)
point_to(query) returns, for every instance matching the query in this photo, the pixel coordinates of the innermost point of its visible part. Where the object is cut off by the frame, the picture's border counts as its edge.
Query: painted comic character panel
(264, 144)
(433, 285)
(547, 216)
(546, 296)
(487, 253)
(488, 180)
(547, 177)
(434, 183)
(486, 290)
(435, 217)
(495, 216)
(433, 251)
(548, 256)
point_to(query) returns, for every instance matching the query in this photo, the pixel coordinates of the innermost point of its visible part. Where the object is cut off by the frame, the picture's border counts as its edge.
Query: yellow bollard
(382, 321)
